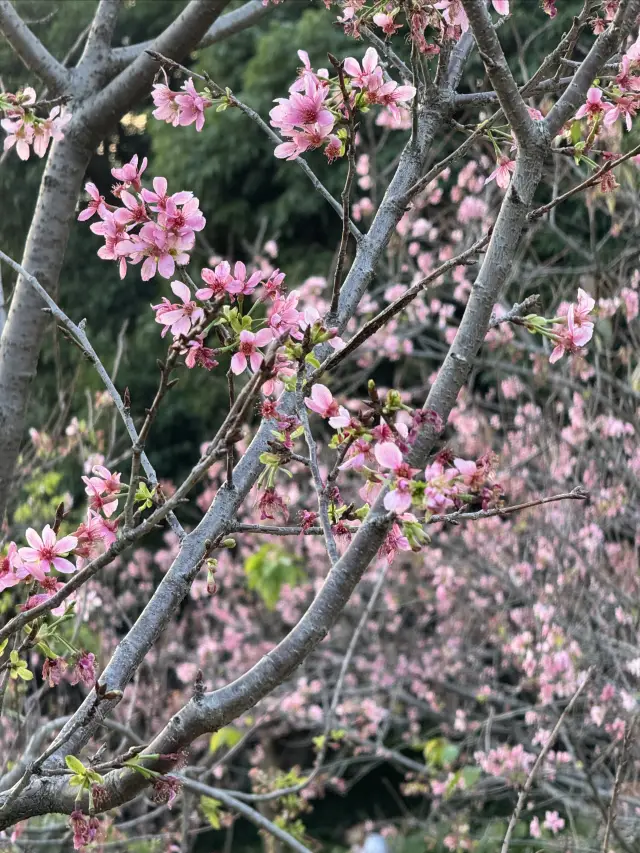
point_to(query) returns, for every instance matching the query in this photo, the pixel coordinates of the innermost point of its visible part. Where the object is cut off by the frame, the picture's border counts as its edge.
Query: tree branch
(242, 808)
(227, 25)
(604, 46)
(499, 73)
(182, 35)
(31, 50)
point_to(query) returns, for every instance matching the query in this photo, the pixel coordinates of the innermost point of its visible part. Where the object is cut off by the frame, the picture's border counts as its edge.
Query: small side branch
(589, 182)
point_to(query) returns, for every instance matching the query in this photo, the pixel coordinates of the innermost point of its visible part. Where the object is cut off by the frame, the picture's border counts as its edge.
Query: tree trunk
(43, 257)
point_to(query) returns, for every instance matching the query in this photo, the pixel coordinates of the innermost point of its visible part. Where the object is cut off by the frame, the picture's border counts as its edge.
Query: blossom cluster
(428, 24)
(26, 130)
(315, 113)
(167, 223)
(47, 552)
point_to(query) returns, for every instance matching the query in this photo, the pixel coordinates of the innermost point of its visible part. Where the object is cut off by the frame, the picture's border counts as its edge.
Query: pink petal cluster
(180, 108)
(25, 129)
(321, 401)
(46, 552)
(578, 330)
(179, 318)
(303, 117)
(248, 350)
(167, 223)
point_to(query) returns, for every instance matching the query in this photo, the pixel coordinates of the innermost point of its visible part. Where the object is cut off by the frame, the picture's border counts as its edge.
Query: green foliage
(83, 777)
(43, 496)
(144, 496)
(212, 811)
(19, 668)
(269, 569)
(227, 736)
(439, 753)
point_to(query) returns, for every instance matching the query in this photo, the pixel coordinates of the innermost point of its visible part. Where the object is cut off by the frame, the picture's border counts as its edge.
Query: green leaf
(47, 650)
(470, 775)
(25, 674)
(3, 645)
(75, 764)
(227, 736)
(576, 132)
(312, 360)
(211, 810)
(269, 569)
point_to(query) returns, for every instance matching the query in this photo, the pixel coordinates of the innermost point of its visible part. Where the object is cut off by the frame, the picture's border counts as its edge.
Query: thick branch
(31, 50)
(498, 70)
(227, 25)
(604, 46)
(182, 35)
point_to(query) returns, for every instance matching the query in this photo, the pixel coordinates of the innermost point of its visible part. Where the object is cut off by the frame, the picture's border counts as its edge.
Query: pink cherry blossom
(198, 353)
(191, 105)
(388, 455)
(502, 172)
(594, 106)
(96, 205)
(49, 128)
(553, 822)
(283, 314)
(20, 134)
(585, 306)
(571, 338)
(321, 401)
(310, 137)
(10, 566)
(624, 107)
(218, 280)
(390, 95)
(625, 79)
(167, 109)
(342, 420)
(46, 552)
(158, 198)
(134, 210)
(240, 284)
(181, 318)
(301, 110)
(161, 249)
(113, 228)
(369, 76)
(386, 23)
(248, 350)
(183, 220)
(130, 174)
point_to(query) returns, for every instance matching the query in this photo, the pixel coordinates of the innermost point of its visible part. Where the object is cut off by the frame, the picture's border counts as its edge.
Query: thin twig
(589, 182)
(620, 769)
(345, 198)
(372, 326)
(538, 762)
(578, 494)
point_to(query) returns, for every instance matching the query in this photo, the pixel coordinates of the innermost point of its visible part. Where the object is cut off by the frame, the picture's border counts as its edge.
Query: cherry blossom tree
(442, 575)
